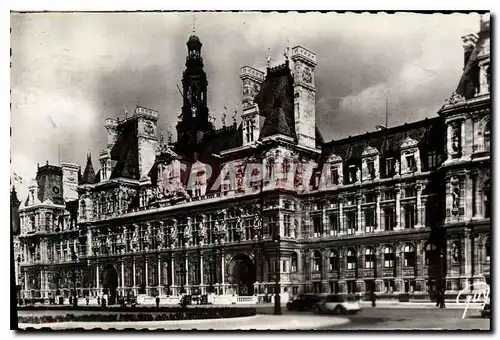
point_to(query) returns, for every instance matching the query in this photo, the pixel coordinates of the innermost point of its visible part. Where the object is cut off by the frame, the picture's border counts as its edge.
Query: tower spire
(194, 23)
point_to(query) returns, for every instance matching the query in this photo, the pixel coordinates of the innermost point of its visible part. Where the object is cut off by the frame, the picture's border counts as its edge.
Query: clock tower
(304, 96)
(194, 123)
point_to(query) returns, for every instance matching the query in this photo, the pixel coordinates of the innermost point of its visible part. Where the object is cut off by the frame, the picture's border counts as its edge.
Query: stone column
(358, 213)
(186, 273)
(201, 269)
(324, 221)
(97, 279)
(61, 259)
(419, 218)
(172, 270)
(26, 287)
(465, 256)
(123, 277)
(133, 274)
(463, 141)
(146, 282)
(223, 262)
(159, 276)
(378, 212)
(397, 190)
(341, 215)
(469, 202)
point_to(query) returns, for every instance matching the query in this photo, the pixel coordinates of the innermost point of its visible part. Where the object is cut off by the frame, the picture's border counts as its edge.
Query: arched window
(333, 261)
(487, 249)
(351, 259)
(431, 255)
(409, 255)
(487, 136)
(269, 168)
(389, 257)
(369, 258)
(316, 261)
(285, 167)
(294, 263)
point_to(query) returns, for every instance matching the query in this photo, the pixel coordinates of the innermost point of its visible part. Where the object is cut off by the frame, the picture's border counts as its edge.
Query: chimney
(111, 132)
(469, 42)
(251, 81)
(70, 181)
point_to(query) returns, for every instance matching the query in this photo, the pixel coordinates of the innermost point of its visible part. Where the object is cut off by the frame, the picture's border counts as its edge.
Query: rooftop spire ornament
(224, 114)
(268, 58)
(194, 23)
(125, 110)
(287, 49)
(235, 113)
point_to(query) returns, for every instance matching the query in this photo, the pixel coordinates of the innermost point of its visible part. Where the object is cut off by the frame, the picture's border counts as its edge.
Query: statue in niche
(358, 175)
(239, 178)
(455, 253)
(202, 231)
(455, 142)
(299, 176)
(396, 167)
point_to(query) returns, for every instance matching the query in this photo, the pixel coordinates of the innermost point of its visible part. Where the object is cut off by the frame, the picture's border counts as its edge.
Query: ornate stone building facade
(233, 210)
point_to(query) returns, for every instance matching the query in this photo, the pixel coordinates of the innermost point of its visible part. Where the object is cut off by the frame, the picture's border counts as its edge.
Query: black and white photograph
(250, 170)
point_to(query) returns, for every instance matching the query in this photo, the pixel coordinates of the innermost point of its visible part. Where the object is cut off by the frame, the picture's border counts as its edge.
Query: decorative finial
(287, 49)
(125, 110)
(224, 114)
(169, 137)
(211, 117)
(137, 102)
(194, 23)
(268, 58)
(235, 113)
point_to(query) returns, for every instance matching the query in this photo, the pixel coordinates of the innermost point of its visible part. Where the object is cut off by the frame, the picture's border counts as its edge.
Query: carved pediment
(409, 143)
(369, 151)
(333, 158)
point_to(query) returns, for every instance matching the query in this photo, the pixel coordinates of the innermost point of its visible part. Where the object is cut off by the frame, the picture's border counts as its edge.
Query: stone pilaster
(420, 221)
(469, 194)
(378, 213)
(359, 216)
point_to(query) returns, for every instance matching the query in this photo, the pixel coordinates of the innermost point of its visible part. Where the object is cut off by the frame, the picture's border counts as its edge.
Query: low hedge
(192, 314)
(118, 309)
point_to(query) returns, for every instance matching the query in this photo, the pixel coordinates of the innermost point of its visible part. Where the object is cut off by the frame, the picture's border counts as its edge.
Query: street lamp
(74, 258)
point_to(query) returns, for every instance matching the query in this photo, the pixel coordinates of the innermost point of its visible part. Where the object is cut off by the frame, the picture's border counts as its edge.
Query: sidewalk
(397, 304)
(257, 322)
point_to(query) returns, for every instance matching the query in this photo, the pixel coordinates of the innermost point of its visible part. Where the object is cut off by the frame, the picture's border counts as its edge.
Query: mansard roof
(275, 101)
(125, 151)
(469, 80)
(428, 133)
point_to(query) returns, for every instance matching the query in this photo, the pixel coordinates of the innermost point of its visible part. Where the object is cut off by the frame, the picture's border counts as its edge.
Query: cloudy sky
(72, 70)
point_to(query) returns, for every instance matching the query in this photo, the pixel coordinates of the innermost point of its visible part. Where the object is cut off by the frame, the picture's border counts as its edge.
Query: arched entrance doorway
(244, 275)
(110, 282)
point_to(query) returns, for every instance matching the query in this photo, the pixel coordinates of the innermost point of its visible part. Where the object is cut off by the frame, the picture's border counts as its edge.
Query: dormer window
(370, 165)
(432, 159)
(410, 163)
(352, 173)
(285, 167)
(249, 130)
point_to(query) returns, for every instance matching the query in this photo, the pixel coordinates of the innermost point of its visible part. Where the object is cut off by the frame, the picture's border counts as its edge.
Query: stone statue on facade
(396, 167)
(202, 231)
(358, 175)
(173, 233)
(455, 142)
(455, 253)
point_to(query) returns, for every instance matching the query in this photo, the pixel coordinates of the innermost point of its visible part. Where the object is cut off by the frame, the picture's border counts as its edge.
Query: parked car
(337, 304)
(303, 302)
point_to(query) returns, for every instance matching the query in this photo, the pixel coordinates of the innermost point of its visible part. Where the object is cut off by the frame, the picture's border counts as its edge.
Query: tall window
(487, 136)
(389, 257)
(334, 175)
(271, 225)
(409, 216)
(410, 192)
(294, 263)
(389, 218)
(351, 259)
(389, 167)
(333, 261)
(409, 255)
(316, 261)
(351, 222)
(432, 158)
(487, 249)
(334, 224)
(287, 225)
(369, 220)
(269, 168)
(431, 255)
(249, 127)
(352, 173)
(318, 230)
(487, 200)
(369, 258)
(389, 195)
(285, 168)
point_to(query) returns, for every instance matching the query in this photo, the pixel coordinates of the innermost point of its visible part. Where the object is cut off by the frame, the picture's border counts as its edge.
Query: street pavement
(382, 317)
